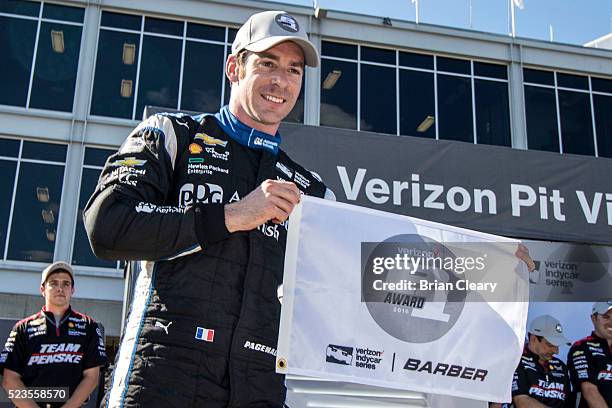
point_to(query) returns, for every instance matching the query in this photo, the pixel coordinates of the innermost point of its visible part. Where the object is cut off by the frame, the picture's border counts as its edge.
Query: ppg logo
(204, 193)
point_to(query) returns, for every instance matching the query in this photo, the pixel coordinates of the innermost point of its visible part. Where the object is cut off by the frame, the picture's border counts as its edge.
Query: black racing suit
(50, 354)
(590, 360)
(547, 383)
(203, 325)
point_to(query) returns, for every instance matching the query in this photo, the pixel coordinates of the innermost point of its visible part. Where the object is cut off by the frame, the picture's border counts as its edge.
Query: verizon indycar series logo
(363, 357)
(339, 354)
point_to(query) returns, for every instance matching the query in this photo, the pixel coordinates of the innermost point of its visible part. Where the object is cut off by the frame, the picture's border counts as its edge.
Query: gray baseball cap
(549, 328)
(59, 266)
(602, 307)
(266, 29)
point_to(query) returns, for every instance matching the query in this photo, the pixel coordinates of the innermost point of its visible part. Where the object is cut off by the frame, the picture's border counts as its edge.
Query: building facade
(77, 75)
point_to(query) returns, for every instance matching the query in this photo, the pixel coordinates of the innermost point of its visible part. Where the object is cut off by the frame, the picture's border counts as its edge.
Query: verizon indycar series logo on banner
(364, 357)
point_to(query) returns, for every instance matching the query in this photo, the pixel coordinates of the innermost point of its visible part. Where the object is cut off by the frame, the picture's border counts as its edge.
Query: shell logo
(195, 148)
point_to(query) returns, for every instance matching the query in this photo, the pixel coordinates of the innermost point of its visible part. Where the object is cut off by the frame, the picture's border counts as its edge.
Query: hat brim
(599, 310)
(558, 340)
(56, 267)
(311, 55)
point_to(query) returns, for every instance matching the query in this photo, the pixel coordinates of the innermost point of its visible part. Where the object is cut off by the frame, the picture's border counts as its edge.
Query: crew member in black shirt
(542, 380)
(590, 360)
(56, 347)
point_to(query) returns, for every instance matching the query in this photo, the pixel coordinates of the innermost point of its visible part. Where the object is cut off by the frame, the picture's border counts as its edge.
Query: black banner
(517, 193)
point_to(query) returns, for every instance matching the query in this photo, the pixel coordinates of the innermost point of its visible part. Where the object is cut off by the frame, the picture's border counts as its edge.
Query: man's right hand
(272, 200)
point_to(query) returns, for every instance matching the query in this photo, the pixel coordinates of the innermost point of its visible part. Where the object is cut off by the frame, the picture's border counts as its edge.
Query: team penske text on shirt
(57, 353)
(547, 389)
(606, 375)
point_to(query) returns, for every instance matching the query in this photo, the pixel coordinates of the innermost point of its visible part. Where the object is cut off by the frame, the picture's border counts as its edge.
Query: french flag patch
(205, 334)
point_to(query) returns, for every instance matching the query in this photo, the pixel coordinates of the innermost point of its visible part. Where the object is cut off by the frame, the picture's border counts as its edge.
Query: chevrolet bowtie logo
(129, 162)
(209, 140)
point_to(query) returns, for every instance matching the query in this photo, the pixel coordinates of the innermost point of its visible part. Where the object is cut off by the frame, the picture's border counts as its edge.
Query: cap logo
(287, 23)
(558, 328)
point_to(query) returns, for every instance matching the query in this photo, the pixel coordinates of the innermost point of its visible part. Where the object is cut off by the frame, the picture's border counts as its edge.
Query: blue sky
(573, 21)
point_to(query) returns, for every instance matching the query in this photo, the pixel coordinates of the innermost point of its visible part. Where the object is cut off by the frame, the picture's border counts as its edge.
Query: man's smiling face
(267, 86)
(603, 324)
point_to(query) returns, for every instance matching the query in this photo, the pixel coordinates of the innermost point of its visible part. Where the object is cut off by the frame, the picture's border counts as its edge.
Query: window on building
(581, 125)
(9, 154)
(159, 73)
(338, 94)
(414, 60)
(378, 101)
(166, 63)
(21, 7)
(205, 61)
(454, 65)
(45, 80)
(492, 104)
(487, 70)
(383, 56)
(419, 110)
(57, 59)
(602, 110)
(92, 167)
(417, 103)
(492, 113)
(338, 50)
(601, 85)
(31, 187)
(603, 121)
(455, 108)
(572, 81)
(541, 116)
(536, 76)
(576, 122)
(163, 26)
(116, 67)
(17, 39)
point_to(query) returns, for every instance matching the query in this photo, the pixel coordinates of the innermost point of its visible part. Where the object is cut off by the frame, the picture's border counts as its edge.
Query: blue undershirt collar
(246, 135)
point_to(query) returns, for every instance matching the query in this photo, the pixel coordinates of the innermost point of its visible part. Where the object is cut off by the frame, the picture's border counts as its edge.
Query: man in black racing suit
(203, 203)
